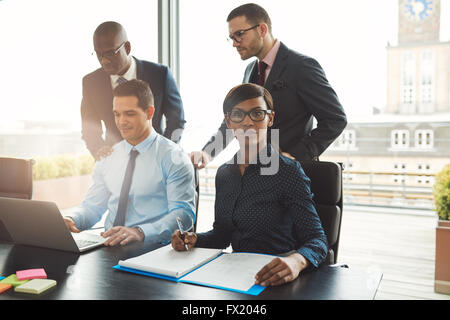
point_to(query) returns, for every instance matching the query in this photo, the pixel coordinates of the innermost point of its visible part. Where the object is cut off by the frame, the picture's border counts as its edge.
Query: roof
(401, 118)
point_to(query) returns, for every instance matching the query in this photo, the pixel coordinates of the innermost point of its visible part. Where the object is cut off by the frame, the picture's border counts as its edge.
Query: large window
(209, 68)
(46, 50)
(349, 45)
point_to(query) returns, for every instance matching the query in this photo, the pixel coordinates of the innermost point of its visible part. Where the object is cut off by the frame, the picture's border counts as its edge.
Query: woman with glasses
(261, 211)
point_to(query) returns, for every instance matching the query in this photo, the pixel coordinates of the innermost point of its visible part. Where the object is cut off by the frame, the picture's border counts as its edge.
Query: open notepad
(207, 267)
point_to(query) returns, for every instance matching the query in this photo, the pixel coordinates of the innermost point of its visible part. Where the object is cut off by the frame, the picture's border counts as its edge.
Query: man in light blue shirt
(162, 183)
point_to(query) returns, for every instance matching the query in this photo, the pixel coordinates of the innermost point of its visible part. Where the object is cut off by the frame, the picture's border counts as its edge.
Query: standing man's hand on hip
(199, 159)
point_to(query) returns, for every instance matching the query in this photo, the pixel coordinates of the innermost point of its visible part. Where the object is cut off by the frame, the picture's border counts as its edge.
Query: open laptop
(41, 224)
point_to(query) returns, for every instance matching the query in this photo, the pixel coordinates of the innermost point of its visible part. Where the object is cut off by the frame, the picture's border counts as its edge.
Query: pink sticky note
(31, 274)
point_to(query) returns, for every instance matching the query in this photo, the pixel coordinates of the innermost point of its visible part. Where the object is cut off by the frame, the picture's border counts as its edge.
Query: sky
(348, 38)
(47, 46)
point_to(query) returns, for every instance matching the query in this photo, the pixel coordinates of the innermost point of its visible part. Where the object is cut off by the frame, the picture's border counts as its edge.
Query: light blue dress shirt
(162, 189)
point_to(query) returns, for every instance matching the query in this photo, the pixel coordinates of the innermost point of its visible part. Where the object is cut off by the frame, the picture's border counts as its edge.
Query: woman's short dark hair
(244, 92)
(253, 13)
(137, 88)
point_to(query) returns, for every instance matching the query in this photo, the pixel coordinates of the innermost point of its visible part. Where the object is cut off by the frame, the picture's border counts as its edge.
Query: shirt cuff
(77, 220)
(139, 229)
(310, 256)
(151, 234)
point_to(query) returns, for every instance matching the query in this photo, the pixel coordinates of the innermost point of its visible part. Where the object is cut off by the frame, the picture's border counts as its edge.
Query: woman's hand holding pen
(190, 238)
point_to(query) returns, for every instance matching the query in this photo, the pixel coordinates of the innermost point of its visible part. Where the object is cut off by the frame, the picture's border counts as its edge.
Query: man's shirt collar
(143, 146)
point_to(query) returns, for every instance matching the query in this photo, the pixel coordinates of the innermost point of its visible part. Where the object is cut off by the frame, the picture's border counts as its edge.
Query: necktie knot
(121, 80)
(133, 154)
(262, 67)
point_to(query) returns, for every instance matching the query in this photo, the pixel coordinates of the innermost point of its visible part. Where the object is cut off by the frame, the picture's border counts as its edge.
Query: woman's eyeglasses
(256, 115)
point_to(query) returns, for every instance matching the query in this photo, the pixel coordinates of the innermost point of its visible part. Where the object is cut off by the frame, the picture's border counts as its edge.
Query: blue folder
(254, 290)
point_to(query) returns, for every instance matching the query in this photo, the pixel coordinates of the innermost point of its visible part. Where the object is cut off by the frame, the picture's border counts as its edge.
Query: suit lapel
(104, 85)
(278, 67)
(251, 72)
(139, 69)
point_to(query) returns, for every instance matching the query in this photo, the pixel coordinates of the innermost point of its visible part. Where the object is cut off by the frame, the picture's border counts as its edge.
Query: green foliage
(86, 164)
(67, 166)
(441, 191)
(62, 166)
(44, 169)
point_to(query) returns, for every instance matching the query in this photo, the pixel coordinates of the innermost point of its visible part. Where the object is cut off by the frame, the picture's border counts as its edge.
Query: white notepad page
(234, 271)
(169, 262)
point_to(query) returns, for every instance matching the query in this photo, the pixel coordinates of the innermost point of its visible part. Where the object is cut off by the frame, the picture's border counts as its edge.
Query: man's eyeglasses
(256, 115)
(237, 36)
(110, 53)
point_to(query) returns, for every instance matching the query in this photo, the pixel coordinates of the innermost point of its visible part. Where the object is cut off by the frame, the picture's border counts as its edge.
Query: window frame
(399, 145)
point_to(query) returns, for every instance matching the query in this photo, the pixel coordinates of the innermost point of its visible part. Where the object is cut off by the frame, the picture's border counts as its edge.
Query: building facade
(397, 152)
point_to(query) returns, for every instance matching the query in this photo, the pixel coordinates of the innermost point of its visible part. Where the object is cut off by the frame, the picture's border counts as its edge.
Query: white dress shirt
(162, 189)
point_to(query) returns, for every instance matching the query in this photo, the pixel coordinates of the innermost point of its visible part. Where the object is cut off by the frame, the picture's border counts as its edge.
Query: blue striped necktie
(121, 80)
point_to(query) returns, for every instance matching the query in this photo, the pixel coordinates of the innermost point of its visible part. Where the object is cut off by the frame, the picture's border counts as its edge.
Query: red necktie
(262, 66)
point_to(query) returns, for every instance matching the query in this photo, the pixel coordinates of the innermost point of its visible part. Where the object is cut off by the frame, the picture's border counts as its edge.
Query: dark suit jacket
(300, 91)
(96, 105)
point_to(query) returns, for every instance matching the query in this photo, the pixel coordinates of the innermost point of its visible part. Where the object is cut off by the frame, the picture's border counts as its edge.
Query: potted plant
(441, 191)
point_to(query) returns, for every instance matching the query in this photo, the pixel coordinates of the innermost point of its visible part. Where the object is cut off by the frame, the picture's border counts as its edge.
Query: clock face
(418, 10)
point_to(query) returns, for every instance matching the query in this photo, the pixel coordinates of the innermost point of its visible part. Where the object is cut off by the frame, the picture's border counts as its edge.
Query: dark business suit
(300, 91)
(96, 105)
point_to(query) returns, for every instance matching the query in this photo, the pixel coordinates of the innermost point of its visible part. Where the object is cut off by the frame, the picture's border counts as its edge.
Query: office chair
(16, 178)
(16, 181)
(326, 186)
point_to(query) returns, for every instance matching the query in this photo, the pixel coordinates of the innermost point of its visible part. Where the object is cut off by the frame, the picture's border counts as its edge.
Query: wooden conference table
(90, 276)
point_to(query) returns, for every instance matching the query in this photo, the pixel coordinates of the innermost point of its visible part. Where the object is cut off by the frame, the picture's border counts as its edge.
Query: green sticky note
(36, 286)
(12, 280)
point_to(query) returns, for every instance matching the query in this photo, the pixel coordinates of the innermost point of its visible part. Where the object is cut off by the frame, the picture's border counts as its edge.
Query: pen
(180, 227)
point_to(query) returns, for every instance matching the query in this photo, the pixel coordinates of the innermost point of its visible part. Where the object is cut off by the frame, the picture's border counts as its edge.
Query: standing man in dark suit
(117, 65)
(297, 83)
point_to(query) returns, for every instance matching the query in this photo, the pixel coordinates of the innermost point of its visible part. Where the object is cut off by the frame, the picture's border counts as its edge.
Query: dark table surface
(90, 276)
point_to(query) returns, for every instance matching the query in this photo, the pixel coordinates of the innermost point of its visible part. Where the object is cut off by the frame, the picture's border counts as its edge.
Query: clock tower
(418, 21)
(418, 67)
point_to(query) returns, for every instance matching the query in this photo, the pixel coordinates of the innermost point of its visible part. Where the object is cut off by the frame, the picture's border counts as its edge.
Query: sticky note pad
(1, 278)
(31, 274)
(4, 287)
(12, 280)
(36, 286)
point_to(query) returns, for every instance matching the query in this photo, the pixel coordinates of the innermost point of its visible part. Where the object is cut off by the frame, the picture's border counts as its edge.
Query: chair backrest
(326, 186)
(16, 178)
(197, 197)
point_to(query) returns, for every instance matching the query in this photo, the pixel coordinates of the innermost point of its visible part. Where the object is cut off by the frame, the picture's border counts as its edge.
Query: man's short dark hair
(253, 13)
(244, 92)
(137, 88)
